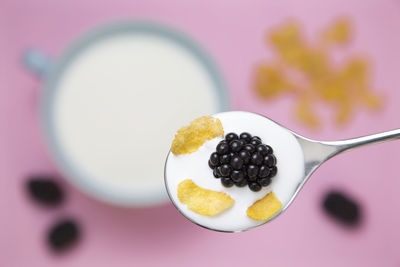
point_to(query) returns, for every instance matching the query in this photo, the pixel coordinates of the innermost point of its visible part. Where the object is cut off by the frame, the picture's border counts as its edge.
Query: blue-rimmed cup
(53, 70)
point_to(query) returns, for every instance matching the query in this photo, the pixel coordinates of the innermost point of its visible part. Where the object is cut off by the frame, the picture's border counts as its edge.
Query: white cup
(78, 162)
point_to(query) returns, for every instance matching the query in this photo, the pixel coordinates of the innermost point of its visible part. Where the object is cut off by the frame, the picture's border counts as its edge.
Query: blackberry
(236, 163)
(256, 159)
(214, 158)
(222, 148)
(263, 172)
(225, 159)
(225, 170)
(272, 171)
(45, 190)
(242, 183)
(227, 182)
(255, 187)
(242, 142)
(216, 173)
(211, 165)
(264, 181)
(262, 149)
(246, 137)
(243, 160)
(63, 235)
(230, 137)
(235, 146)
(249, 148)
(269, 149)
(342, 208)
(255, 141)
(237, 176)
(252, 172)
(245, 156)
(270, 160)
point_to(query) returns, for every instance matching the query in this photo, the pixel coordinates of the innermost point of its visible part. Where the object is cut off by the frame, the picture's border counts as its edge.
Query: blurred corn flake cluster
(308, 72)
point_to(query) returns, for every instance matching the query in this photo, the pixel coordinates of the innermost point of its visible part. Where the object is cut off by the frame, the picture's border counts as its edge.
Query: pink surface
(232, 31)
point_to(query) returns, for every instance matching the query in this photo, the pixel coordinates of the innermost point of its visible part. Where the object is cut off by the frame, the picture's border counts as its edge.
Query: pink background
(232, 31)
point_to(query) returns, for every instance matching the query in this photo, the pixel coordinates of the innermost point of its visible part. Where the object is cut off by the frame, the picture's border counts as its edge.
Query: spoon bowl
(297, 159)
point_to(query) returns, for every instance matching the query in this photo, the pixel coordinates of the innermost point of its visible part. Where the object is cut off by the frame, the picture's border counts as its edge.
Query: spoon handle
(344, 145)
(317, 152)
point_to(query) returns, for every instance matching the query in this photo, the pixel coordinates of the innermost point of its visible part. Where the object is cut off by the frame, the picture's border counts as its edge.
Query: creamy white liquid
(194, 166)
(118, 106)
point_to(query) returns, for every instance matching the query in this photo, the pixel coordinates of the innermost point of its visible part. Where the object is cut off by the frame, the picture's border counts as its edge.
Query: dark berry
(263, 172)
(237, 176)
(245, 156)
(255, 142)
(235, 146)
(216, 173)
(225, 159)
(236, 163)
(245, 136)
(222, 148)
(45, 190)
(222, 142)
(272, 171)
(270, 160)
(256, 159)
(243, 160)
(255, 187)
(242, 142)
(249, 148)
(227, 182)
(264, 181)
(252, 172)
(214, 158)
(63, 234)
(252, 178)
(211, 165)
(224, 170)
(262, 149)
(242, 183)
(342, 208)
(269, 149)
(230, 137)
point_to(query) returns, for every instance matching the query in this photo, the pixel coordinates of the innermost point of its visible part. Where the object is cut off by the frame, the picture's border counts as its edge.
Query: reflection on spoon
(297, 158)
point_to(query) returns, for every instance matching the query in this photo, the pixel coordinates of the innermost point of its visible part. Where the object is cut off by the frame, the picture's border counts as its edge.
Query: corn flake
(203, 201)
(264, 208)
(189, 138)
(345, 87)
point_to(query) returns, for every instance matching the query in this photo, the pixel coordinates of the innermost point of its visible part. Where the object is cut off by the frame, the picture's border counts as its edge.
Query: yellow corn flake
(203, 201)
(314, 63)
(371, 100)
(305, 114)
(270, 81)
(343, 112)
(286, 36)
(339, 32)
(189, 138)
(356, 69)
(345, 87)
(264, 208)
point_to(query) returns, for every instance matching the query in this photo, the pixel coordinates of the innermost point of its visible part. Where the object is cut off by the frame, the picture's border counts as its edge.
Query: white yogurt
(118, 105)
(194, 166)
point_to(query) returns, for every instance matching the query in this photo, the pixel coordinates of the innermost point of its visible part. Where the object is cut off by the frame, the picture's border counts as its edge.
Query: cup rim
(92, 187)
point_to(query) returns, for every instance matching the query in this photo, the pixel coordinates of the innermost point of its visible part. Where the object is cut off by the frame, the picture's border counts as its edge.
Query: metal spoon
(315, 153)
